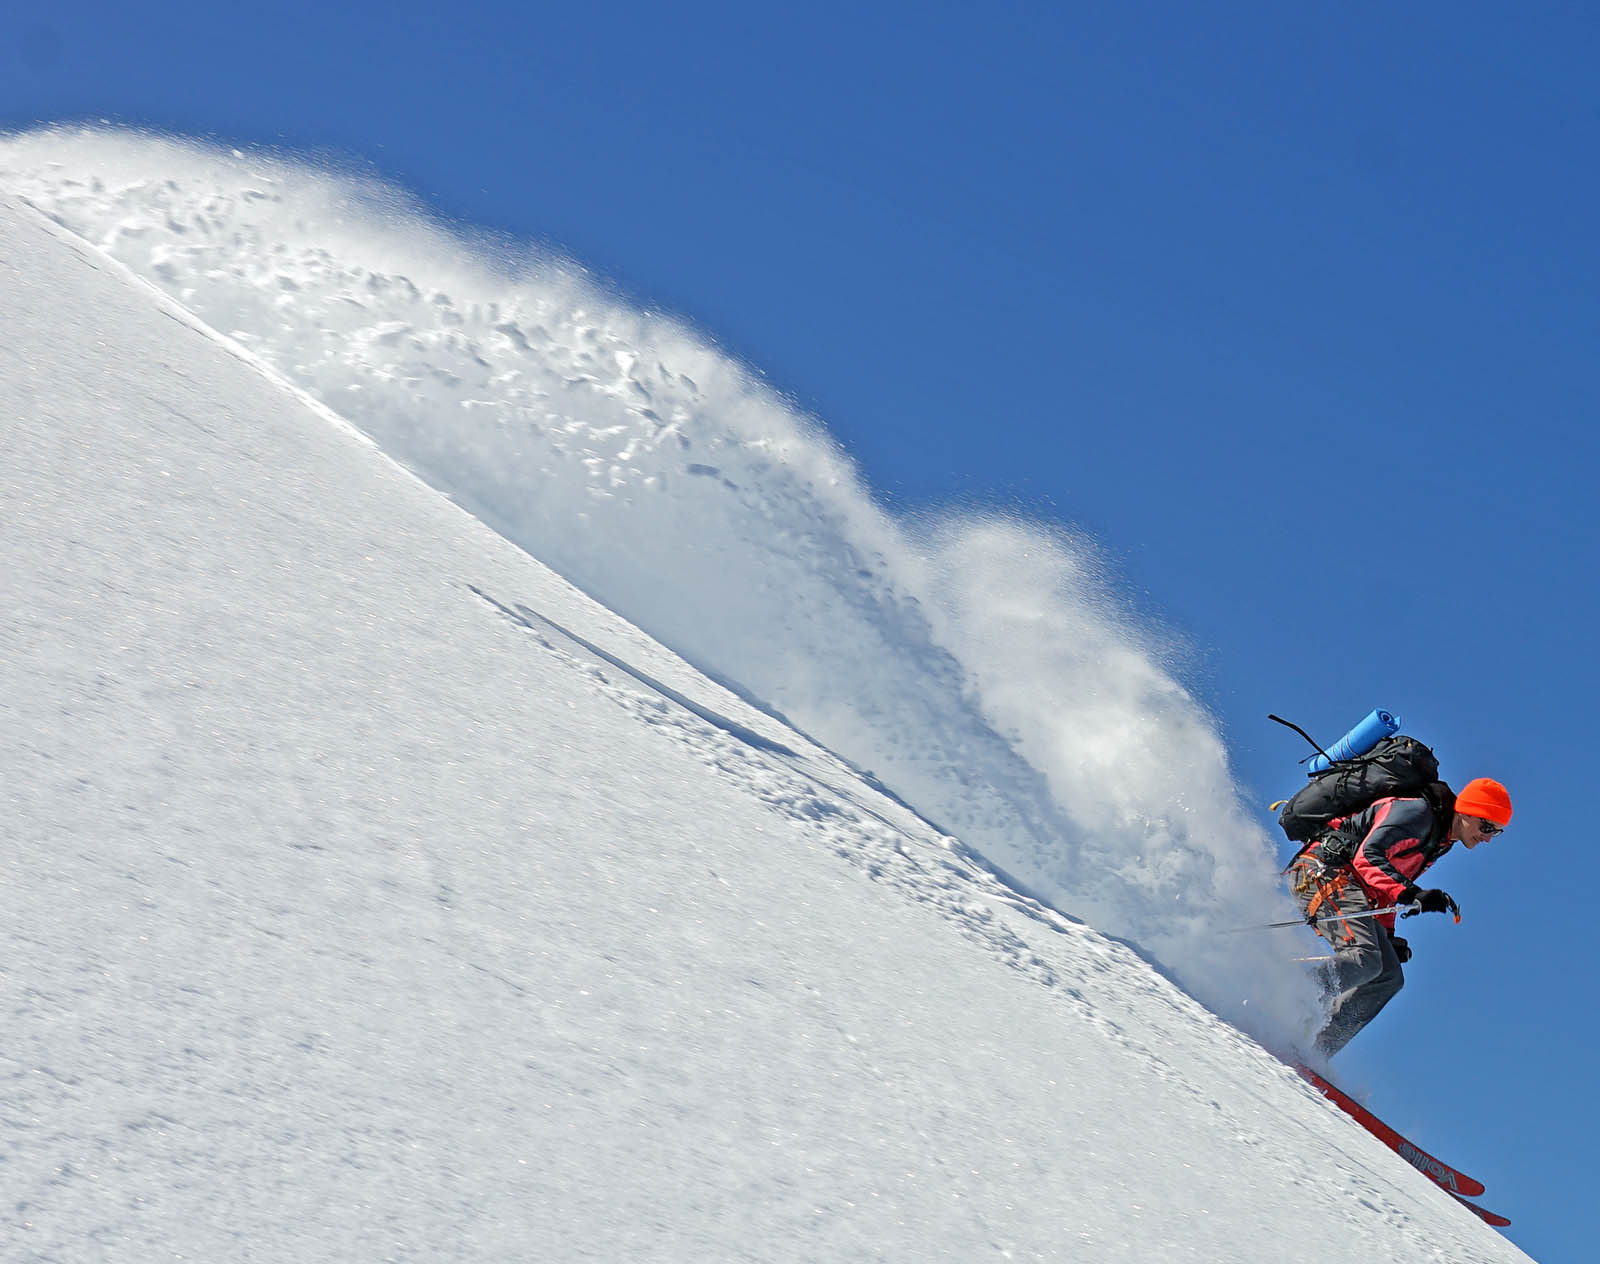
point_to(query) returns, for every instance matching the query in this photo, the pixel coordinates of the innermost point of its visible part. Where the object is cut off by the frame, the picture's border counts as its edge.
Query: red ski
(1483, 1213)
(1441, 1173)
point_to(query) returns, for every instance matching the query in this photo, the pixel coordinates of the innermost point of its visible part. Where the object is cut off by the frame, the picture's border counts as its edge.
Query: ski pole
(1301, 921)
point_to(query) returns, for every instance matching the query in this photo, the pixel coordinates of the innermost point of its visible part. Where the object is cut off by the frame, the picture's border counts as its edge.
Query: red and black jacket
(1399, 840)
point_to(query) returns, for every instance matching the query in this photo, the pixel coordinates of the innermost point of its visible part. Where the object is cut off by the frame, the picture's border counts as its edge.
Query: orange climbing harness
(1316, 890)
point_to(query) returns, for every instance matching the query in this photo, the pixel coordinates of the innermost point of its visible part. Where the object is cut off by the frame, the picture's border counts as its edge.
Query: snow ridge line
(97, 258)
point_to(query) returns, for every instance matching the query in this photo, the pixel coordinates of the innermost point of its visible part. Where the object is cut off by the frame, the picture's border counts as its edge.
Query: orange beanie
(1486, 798)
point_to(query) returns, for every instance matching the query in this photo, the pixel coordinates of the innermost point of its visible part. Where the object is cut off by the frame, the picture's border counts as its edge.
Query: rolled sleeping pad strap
(1359, 740)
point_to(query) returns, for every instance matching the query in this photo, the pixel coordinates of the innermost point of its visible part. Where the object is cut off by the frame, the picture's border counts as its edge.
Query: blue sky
(1294, 312)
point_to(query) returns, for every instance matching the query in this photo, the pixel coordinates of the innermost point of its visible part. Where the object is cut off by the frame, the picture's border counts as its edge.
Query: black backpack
(1397, 766)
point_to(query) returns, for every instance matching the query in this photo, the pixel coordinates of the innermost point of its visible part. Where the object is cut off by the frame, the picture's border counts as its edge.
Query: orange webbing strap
(1326, 893)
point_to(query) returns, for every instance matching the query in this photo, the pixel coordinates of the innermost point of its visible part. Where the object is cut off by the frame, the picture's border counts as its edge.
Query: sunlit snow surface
(373, 894)
(977, 665)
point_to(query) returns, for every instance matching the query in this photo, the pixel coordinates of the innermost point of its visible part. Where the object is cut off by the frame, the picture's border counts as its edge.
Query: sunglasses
(1488, 829)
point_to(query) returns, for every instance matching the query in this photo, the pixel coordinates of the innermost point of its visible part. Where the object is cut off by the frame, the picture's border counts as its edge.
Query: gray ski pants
(1364, 974)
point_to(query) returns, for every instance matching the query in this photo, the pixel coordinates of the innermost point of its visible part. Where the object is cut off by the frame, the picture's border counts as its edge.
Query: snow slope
(374, 894)
(977, 665)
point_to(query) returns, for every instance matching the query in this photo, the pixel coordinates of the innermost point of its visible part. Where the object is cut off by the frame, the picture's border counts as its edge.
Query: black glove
(1401, 948)
(1430, 901)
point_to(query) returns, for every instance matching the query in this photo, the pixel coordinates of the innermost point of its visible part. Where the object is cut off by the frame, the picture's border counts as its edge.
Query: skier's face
(1472, 830)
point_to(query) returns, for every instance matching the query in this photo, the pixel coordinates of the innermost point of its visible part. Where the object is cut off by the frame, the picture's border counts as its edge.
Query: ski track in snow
(813, 791)
(976, 664)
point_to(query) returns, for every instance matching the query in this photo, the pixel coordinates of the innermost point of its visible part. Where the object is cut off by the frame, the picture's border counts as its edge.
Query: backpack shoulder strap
(1442, 799)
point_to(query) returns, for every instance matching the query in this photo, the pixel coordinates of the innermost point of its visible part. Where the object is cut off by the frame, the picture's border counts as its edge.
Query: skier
(1372, 859)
